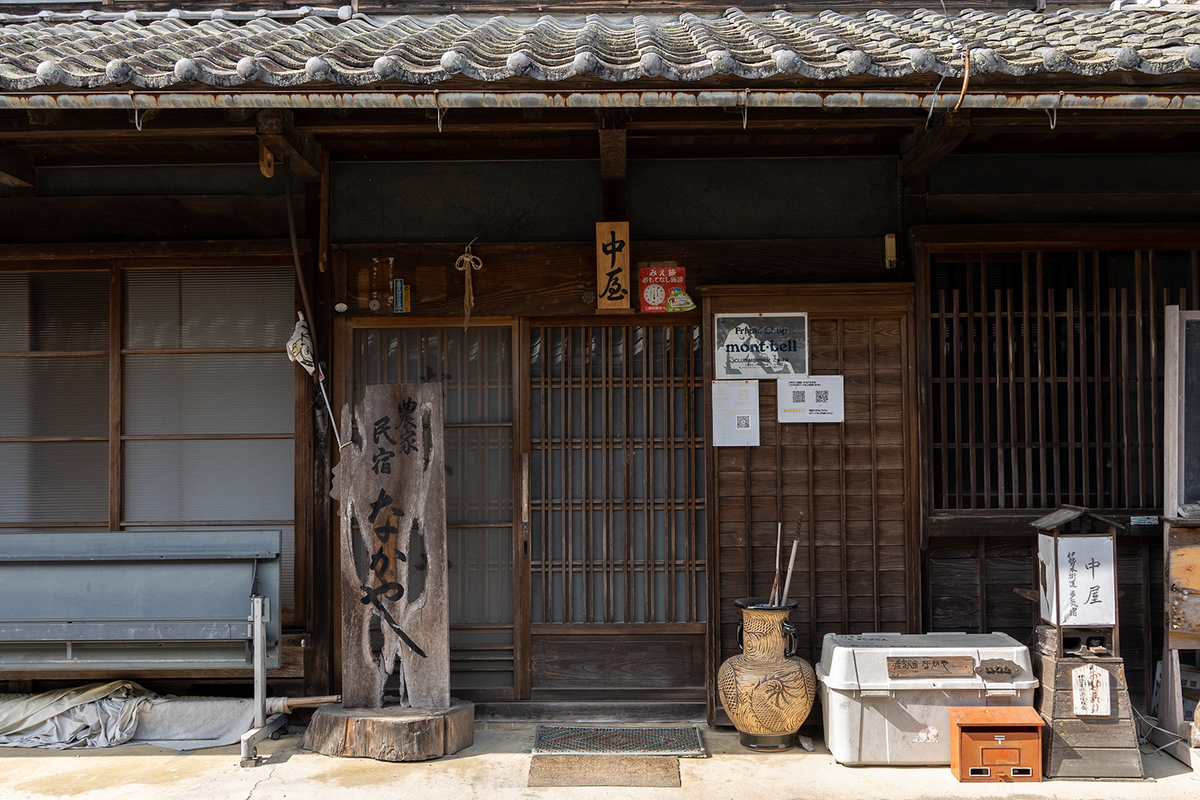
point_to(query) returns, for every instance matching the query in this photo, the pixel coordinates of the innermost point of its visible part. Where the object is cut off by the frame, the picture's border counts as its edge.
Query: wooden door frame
(342, 387)
(856, 300)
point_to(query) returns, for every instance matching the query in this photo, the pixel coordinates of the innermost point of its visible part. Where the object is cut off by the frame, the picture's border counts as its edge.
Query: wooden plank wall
(854, 482)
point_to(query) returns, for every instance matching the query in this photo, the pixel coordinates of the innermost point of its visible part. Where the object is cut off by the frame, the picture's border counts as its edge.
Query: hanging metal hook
(745, 103)
(438, 103)
(137, 119)
(1053, 113)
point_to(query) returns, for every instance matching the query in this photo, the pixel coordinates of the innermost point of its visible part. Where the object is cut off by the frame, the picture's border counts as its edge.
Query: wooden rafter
(930, 146)
(17, 169)
(277, 132)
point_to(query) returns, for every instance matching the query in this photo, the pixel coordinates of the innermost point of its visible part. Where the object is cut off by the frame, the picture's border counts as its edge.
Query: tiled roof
(227, 49)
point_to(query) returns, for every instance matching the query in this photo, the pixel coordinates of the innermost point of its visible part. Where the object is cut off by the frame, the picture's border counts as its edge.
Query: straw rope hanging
(466, 262)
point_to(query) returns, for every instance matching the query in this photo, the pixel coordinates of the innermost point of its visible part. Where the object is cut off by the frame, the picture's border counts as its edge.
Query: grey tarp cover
(121, 712)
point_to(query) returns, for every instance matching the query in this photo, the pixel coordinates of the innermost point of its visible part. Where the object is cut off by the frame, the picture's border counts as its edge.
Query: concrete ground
(497, 766)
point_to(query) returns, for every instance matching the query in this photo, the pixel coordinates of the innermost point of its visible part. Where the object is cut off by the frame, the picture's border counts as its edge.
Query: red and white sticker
(664, 289)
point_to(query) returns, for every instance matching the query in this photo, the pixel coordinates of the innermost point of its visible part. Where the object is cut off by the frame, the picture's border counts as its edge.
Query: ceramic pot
(767, 691)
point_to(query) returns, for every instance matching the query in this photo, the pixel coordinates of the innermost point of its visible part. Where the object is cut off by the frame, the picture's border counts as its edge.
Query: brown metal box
(995, 744)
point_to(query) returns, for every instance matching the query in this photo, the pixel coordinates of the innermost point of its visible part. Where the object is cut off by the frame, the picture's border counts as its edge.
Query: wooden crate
(1086, 747)
(995, 744)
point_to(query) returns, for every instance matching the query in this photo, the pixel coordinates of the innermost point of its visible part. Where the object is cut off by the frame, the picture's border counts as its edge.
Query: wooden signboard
(931, 667)
(613, 279)
(390, 483)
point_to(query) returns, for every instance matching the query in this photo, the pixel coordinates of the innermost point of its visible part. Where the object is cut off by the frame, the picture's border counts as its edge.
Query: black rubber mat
(563, 740)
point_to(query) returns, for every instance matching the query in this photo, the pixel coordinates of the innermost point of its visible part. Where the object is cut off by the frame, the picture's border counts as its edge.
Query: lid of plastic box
(860, 662)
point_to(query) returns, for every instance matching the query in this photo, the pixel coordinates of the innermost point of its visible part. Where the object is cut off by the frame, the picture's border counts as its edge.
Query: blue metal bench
(196, 599)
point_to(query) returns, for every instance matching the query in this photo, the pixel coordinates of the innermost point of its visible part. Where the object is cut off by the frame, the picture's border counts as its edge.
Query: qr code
(822, 395)
(797, 395)
(743, 421)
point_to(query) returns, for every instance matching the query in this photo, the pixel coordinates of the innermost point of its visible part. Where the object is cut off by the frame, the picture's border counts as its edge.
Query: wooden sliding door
(856, 482)
(617, 519)
(476, 369)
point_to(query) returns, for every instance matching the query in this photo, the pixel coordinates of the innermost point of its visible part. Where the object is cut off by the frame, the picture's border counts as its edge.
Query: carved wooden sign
(614, 284)
(930, 666)
(390, 484)
(998, 670)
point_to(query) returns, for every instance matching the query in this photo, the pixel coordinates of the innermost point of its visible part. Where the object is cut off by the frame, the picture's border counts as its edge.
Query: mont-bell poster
(760, 346)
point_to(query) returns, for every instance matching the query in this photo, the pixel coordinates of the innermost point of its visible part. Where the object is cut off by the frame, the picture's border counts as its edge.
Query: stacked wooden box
(1084, 746)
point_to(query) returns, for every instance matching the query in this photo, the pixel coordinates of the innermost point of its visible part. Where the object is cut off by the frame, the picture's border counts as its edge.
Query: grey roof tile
(298, 46)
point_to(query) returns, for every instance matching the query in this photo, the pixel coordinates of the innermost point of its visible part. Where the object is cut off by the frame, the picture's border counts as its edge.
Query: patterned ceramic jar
(767, 691)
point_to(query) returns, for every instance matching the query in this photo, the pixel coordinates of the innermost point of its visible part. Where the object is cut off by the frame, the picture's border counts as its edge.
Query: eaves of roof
(173, 50)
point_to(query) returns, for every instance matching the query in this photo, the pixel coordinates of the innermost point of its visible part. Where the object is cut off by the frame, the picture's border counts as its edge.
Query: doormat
(604, 771)
(565, 740)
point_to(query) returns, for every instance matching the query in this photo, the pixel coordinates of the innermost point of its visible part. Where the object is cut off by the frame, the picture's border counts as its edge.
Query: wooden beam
(276, 130)
(930, 146)
(612, 169)
(17, 169)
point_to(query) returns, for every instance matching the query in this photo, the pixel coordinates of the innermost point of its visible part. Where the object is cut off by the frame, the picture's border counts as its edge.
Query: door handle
(525, 511)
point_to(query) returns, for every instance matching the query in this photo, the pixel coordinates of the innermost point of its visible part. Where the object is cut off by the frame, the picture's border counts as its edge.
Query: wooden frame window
(144, 396)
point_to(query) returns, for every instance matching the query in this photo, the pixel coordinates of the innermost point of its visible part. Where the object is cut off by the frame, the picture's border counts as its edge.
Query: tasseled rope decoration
(467, 262)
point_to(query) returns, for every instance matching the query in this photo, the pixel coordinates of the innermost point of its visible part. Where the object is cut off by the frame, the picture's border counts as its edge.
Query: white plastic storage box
(884, 695)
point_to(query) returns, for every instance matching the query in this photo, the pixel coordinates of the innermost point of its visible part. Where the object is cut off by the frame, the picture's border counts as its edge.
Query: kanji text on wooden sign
(930, 666)
(613, 281)
(390, 485)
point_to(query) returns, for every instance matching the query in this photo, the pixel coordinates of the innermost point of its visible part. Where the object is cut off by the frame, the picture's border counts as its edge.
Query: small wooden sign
(998, 670)
(1090, 691)
(931, 667)
(614, 283)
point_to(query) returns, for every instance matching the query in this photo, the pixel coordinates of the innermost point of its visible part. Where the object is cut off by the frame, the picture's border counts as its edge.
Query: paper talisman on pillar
(391, 488)
(1090, 693)
(613, 280)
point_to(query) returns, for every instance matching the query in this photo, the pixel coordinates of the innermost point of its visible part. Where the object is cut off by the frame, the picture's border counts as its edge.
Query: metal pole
(260, 660)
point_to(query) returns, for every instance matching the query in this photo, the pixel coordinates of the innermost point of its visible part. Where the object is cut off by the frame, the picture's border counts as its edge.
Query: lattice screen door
(575, 501)
(617, 545)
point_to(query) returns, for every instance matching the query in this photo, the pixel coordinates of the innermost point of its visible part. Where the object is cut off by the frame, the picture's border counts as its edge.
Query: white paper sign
(735, 413)
(817, 398)
(1089, 691)
(1087, 590)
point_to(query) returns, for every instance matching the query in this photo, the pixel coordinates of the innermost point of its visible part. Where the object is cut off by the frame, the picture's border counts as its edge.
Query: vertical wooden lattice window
(1047, 377)
(1047, 388)
(617, 497)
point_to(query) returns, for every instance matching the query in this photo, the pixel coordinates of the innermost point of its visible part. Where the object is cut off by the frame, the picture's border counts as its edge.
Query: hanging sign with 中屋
(390, 486)
(613, 282)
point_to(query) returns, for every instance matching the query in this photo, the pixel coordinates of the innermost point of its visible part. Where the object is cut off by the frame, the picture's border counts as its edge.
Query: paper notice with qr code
(735, 413)
(817, 398)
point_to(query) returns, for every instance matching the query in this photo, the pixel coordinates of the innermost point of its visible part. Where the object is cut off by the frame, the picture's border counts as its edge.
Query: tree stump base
(391, 733)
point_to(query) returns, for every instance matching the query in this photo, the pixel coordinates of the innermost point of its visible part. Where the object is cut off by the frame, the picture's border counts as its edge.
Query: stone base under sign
(391, 733)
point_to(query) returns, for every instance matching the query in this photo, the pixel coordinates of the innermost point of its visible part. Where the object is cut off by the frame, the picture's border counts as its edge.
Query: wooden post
(390, 483)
